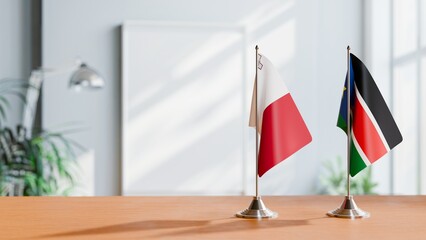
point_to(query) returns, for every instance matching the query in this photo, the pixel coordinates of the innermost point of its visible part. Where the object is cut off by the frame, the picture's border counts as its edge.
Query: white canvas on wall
(183, 97)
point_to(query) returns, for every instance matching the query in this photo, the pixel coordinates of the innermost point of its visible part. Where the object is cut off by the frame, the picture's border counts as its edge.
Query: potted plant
(333, 181)
(33, 166)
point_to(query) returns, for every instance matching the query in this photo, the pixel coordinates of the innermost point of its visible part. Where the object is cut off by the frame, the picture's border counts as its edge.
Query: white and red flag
(281, 127)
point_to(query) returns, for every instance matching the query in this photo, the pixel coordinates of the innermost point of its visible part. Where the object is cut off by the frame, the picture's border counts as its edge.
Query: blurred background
(172, 116)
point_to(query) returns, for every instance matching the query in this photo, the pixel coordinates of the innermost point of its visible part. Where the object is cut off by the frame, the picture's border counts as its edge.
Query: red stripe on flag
(283, 133)
(366, 134)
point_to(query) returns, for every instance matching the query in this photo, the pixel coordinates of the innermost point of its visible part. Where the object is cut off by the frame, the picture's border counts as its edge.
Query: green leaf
(17, 94)
(4, 101)
(31, 180)
(68, 191)
(2, 113)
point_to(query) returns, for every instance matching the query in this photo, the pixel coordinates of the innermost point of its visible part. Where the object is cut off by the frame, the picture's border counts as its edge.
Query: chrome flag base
(348, 209)
(257, 209)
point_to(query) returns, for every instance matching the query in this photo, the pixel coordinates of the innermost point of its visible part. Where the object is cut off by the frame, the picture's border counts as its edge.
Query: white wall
(15, 48)
(378, 54)
(395, 37)
(306, 39)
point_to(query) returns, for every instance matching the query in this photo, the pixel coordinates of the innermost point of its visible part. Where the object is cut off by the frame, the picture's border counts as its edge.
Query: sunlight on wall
(405, 111)
(205, 51)
(266, 12)
(283, 36)
(405, 34)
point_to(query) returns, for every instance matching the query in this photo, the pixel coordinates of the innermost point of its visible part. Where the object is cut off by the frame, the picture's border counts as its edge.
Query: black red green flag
(373, 129)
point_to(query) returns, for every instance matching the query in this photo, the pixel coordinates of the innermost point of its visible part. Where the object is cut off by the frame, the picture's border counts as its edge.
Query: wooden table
(300, 217)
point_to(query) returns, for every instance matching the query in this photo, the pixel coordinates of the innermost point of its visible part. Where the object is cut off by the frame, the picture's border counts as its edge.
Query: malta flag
(374, 131)
(281, 127)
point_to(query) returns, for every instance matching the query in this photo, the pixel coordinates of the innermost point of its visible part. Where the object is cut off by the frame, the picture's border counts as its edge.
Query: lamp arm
(46, 72)
(32, 97)
(33, 93)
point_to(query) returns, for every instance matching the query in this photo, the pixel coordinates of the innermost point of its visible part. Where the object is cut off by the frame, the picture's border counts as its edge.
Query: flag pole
(348, 209)
(257, 208)
(349, 125)
(257, 125)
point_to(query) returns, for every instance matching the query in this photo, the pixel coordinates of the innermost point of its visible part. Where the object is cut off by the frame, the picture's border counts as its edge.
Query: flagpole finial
(257, 47)
(349, 48)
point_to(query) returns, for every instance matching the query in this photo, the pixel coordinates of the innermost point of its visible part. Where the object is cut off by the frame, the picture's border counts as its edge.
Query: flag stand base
(348, 209)
(257, 209)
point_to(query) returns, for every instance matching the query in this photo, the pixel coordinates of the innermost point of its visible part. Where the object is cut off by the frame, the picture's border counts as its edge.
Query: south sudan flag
(373, 131)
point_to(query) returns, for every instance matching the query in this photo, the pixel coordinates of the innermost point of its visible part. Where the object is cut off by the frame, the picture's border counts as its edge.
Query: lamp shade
(86, 77)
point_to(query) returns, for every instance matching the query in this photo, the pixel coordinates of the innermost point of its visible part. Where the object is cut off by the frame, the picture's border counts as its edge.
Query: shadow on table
(130, 227)
(196, 226)
(237, 225)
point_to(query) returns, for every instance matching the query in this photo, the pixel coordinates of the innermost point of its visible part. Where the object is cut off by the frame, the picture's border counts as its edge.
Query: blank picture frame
(184, 104)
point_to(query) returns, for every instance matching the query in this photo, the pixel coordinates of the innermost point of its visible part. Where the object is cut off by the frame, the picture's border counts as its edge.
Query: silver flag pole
(257, 208)
(348, 209)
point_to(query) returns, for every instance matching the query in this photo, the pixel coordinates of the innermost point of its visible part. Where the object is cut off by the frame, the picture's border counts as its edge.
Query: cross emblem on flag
(259, 64)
